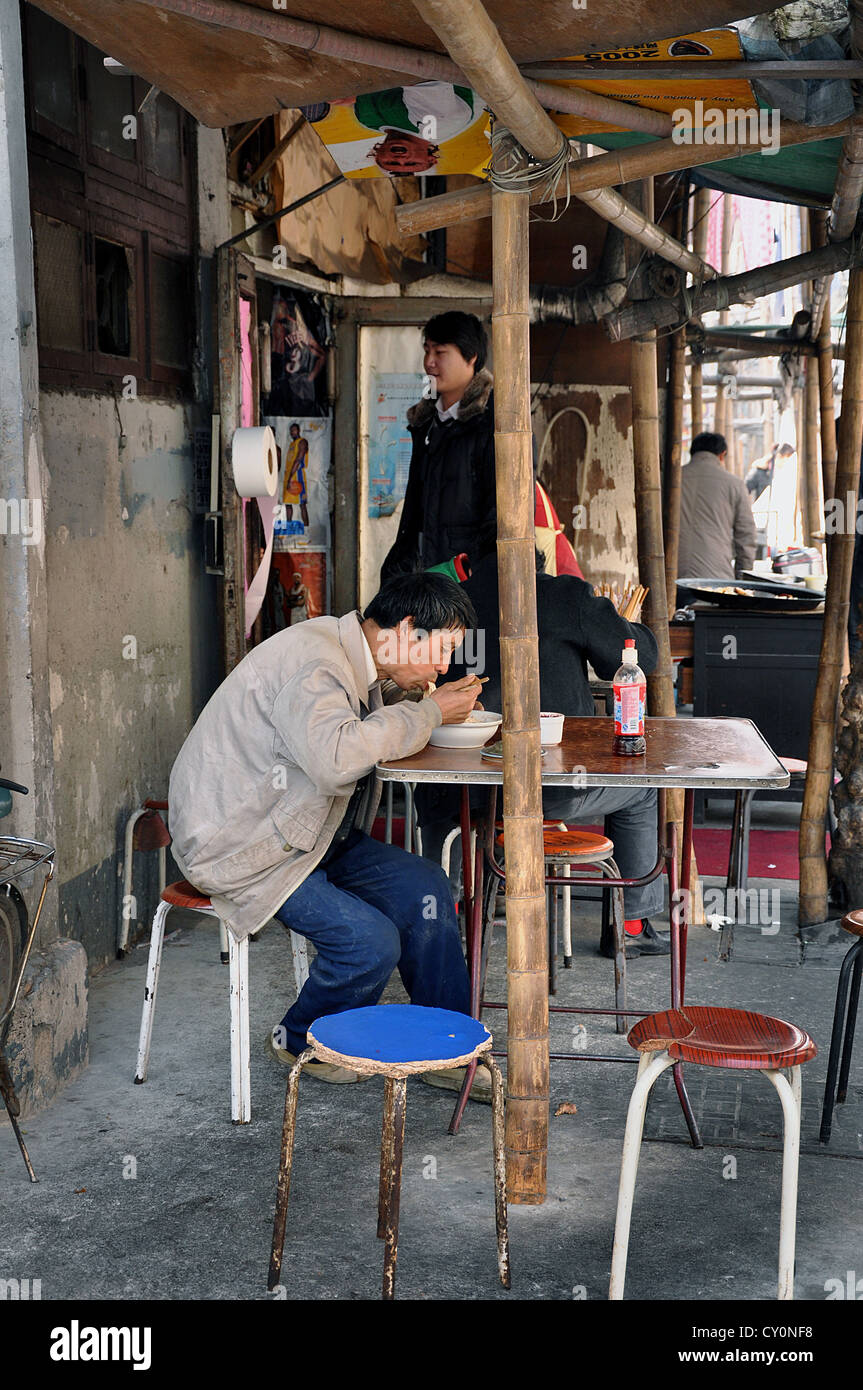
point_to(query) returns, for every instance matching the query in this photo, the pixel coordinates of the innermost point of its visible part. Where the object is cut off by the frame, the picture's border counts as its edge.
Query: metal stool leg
(128, 855)
(839, 1013)
(789, 1094)
(224, 952)
(300, 953)
(651, 1065)
(497, 1130)
(850, 1024)
(566, 894)
(610, 870)
(550, 910)
(13, 1109)
(393, 1188)
(157, 936)
(386, 1157)
(744, 841)
(286, 1159)
(241, 1086)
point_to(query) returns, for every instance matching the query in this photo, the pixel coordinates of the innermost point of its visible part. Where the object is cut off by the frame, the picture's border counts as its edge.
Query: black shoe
(646, 943)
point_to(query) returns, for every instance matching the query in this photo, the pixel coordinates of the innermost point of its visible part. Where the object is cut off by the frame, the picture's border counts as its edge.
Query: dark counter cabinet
(761, 665)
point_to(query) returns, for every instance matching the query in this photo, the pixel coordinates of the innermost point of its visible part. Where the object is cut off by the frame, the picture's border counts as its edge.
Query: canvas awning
(224, 75)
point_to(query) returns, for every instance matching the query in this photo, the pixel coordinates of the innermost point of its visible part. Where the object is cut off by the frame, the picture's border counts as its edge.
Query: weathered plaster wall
(132, 636)
(587, 467)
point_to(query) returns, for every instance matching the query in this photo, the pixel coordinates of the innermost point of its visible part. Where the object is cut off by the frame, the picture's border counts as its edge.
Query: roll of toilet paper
(255, 462)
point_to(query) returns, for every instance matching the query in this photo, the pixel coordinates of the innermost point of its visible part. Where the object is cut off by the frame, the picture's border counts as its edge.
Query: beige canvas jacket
(264, 778)
(717, 531)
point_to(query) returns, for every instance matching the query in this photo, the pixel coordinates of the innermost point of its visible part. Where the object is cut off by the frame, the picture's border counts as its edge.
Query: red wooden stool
(564, 847)
(184, 894)
(852, 968)
(716, 1037)
(145, 830)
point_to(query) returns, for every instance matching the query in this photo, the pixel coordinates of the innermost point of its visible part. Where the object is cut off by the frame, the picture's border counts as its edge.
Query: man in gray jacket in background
(717, 530)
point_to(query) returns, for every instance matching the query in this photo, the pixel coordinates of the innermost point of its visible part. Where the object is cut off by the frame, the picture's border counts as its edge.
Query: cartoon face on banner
(430, 128)
(297, 589)
(302, 515)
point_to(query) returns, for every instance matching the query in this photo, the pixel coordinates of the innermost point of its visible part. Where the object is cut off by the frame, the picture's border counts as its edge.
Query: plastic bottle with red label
(630, 692)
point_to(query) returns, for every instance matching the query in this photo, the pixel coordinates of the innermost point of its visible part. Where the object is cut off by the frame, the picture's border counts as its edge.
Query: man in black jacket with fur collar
(449, 505)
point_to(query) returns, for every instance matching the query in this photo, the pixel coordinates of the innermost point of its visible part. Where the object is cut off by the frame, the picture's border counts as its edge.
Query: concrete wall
(132, 635)
(584, 434)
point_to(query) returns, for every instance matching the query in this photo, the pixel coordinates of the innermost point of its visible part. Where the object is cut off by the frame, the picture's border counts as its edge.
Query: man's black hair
(432, 600)
(539, 560)
(465, 330)
(708, 443)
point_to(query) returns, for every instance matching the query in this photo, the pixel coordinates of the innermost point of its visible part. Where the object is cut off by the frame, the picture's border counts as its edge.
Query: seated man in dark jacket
(574, 627)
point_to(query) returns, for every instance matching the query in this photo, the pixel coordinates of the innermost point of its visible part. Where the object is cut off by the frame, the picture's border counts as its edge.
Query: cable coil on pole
(512, 170)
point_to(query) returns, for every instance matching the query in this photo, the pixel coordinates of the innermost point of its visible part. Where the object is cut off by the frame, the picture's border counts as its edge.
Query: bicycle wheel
(13, 938)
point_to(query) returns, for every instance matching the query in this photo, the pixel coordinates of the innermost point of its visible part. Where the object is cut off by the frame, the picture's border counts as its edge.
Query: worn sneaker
(324, 1071)
(452, 1078)
(647, 943)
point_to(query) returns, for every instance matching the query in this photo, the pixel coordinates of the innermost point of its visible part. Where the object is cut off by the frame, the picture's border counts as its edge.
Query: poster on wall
(298, 356)
(393, 394)
(297, 589)
(302, 492)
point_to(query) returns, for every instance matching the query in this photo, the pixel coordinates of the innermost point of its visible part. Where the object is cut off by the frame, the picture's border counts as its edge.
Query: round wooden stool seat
(853, 922)
(398, 1040)
(150, 831)
(573, 846)
(185, 894)
(733, 1038)
(796, 766)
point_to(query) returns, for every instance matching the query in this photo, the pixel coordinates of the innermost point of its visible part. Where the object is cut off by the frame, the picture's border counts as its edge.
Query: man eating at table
(273, 794)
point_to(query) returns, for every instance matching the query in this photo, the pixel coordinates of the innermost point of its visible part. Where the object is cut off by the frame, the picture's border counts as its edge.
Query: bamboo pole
(813, 525)
(825, 371)
(527, 963)
(700, 226)
(731, 289)
(649, 530)
(813, 867)
(673, 456)
(648, 508)
(696, 399)
(599, 171)
(720, 409)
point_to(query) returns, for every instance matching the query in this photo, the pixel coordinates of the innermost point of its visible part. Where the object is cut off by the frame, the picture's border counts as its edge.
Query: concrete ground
(150, 1192)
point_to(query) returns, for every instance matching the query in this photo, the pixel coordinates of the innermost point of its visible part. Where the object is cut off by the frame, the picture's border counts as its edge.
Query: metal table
(692, 754)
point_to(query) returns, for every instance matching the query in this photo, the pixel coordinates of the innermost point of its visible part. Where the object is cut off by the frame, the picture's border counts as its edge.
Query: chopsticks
(627, 603)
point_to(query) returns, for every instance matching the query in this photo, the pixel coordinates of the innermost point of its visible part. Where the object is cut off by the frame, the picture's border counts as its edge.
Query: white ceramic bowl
(550, 729)
(476, 730)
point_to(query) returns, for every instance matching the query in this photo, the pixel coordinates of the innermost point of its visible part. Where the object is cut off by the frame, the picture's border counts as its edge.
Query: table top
(680, 753)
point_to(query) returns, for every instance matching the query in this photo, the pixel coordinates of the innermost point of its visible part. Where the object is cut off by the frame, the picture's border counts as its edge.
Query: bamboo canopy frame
(731, 289)
(599, 171)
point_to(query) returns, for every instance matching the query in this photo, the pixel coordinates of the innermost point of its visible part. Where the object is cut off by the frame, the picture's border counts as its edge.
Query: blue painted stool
(394, 1041)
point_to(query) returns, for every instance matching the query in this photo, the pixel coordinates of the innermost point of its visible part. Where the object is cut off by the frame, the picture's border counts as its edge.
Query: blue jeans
(372, 908)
